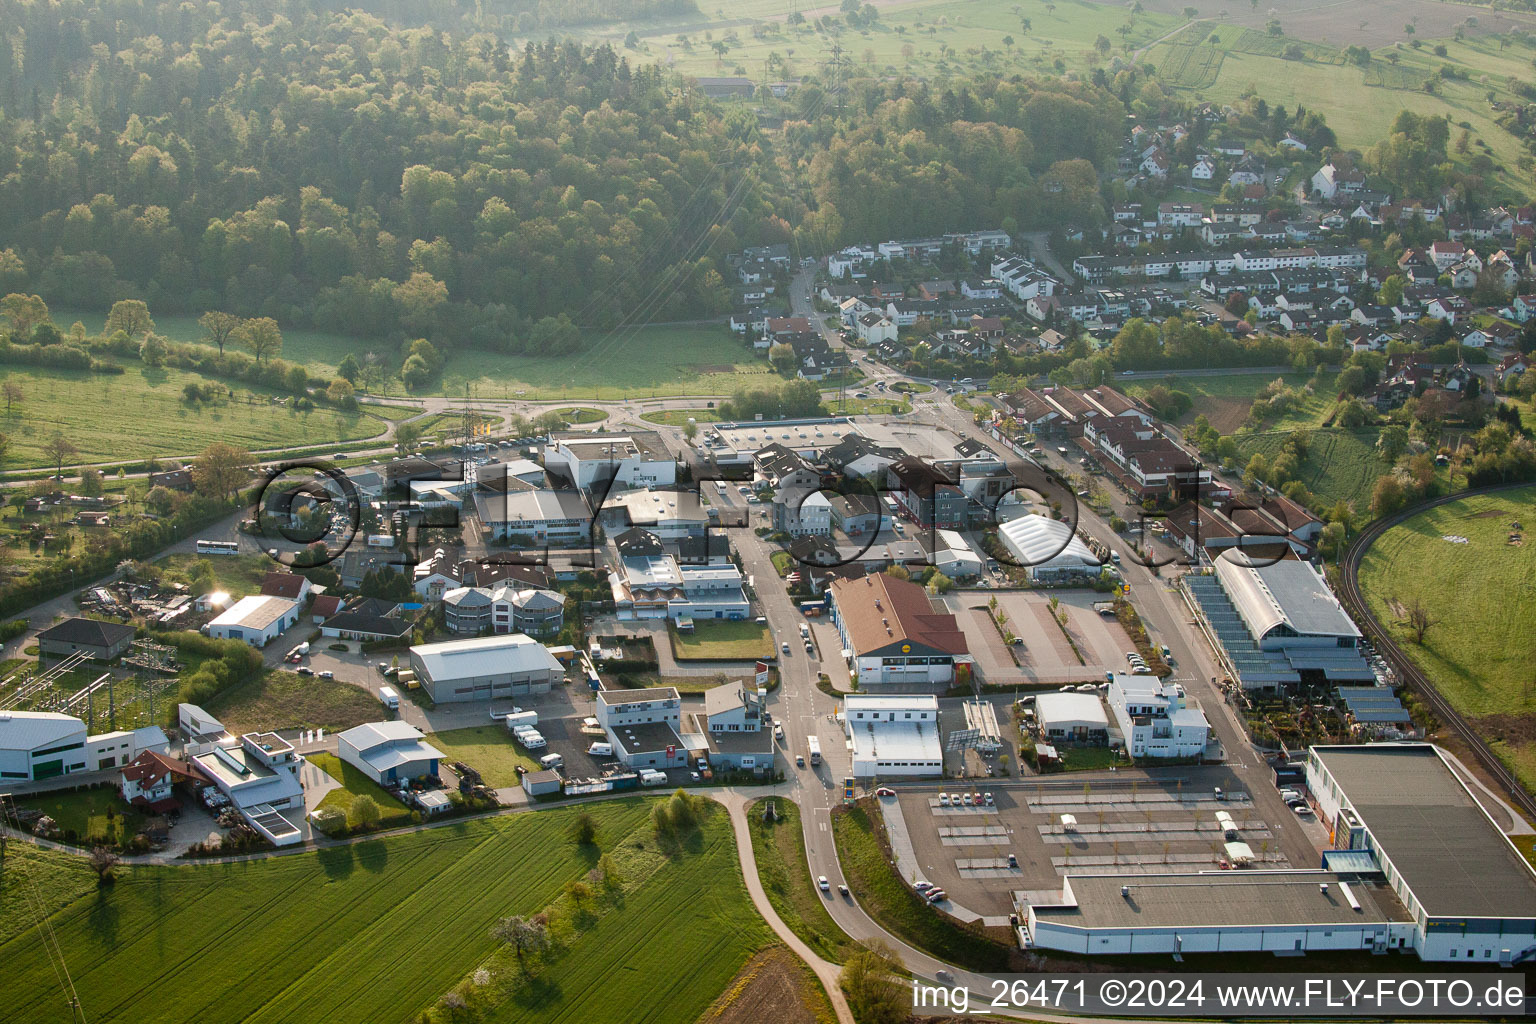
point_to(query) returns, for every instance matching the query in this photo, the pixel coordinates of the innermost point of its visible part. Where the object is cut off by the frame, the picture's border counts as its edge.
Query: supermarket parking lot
(1127, 823)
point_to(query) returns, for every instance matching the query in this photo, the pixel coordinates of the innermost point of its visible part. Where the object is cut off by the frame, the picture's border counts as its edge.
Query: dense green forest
(285, 160)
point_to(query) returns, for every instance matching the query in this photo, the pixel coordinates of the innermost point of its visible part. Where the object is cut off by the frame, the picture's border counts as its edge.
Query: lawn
(873, 406)
(1341, 464)
(779, 847)
(97, 811)
(237, 574)
(885, 897)
(722, 640)
(37, 883)
(1481, 596)
(380, 930)
(355, 784)
(580, 414)
(141, 414)
(489, 749)
(1223, 398)
(680, 417)
(276, 699)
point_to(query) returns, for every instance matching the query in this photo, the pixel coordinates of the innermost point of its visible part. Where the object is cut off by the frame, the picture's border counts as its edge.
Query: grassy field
(580, 414)
(284, 700)
(1342, 464)
(886, 898)
(1482, 594)
(1223, 398)
(488, 749)
(355, 784)
(928, 38)
(779, 848)
(37, 883)
(141, 413)
(1359, 103)
(88, 812)
(238, 574)
(380, 930)
(680, 417)
(721, 640)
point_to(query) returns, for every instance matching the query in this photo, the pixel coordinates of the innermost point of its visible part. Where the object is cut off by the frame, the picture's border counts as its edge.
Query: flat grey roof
(647, 737)
(1223, 898)
(1450, 854)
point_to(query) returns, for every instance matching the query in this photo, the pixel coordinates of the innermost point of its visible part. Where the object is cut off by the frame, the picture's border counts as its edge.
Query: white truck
(652, 777)
(815, 745)
(389, 698)
(521, 720)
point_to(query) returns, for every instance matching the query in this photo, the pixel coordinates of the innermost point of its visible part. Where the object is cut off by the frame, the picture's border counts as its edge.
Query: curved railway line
(1354, 600)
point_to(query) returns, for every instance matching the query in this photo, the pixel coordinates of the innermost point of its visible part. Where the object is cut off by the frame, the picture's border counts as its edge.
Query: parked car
(988, 799)
(305, 670)
(327, 675)
(943, 799)
(965, 798)
(935, 895)
(884, 791)
(923, 886)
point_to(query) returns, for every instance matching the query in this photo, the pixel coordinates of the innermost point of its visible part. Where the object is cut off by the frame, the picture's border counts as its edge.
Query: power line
(45, 930)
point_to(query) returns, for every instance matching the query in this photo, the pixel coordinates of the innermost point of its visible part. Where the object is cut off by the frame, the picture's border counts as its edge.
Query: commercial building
(650, 584)
(1049, 549)
(148, 781)
(642, 726)
(894, 734)
(891, 635)
(37, 745)
(637, 459)
(732, 730)
(260, 776)
(257, 619)
(484, 668)
(1072, 718)
(388, 752)
(535, 516)
(503, 609)
(1469, 893)
(1417, 864)
(101, 641)
(1277, 624)
(1153, 718)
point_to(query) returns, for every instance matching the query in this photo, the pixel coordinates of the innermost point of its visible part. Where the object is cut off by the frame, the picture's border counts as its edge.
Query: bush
(364, 812)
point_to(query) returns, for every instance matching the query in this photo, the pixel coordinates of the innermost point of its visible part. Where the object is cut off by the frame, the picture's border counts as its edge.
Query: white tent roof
(1037, 541)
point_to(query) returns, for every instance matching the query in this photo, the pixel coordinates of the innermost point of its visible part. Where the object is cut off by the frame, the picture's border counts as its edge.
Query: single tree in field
(524, 934)
(691, 430)
(262, 336)
(131, 316)
(104, 862)
(221, 470)
(363, 812)
(10, 390)
(58, 450)
(584, 831)
(220, 327)
(23, 312)
(1420, 621)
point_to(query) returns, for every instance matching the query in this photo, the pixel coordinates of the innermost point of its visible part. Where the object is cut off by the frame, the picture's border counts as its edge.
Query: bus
(217, 547)
(815, 745)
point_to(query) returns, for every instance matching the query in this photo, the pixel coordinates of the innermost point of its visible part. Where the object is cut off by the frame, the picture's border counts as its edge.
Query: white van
(551, 761)
(601, 750)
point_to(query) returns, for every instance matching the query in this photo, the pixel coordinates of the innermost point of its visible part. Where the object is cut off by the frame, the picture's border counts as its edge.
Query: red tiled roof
(880, 611)
(282, 584)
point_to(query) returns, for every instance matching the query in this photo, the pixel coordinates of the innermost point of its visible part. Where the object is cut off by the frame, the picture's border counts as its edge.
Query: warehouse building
(258, 619)
(100, 641)
(36, 745)
(891, 635)
(484, 668)
(388, 752)
(1278, 624)
(1072, 718)
(1050, 550)
(1417, 864)
(894, 734)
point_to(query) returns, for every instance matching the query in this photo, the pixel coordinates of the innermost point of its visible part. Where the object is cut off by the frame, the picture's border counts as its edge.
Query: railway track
(1354, 600)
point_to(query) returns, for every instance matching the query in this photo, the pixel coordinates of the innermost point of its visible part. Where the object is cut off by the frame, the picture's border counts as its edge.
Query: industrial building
(260, 776)
(733, 729)
(891, 635)
(637, 459)
(1072, 718)
(1417, 864)
(37, 745)
(100, 641)
(893, 734)
(1153, 718)
(1049, 549)
(484, 668)
(642, 725)
(388, 752)
(257, 619)
(1277, 624)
